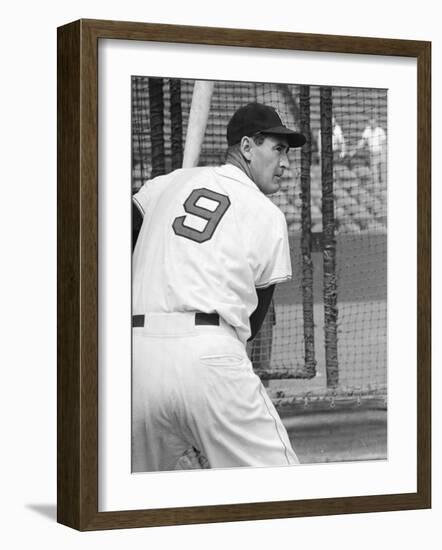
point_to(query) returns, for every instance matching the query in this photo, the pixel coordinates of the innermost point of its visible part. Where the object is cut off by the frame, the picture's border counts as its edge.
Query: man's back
(208, 239)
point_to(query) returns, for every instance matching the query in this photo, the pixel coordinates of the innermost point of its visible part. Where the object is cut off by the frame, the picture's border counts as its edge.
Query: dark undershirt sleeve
(137, 220)
(257, 318)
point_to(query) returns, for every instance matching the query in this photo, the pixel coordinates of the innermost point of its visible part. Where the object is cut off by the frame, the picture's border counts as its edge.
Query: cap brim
(294, 138)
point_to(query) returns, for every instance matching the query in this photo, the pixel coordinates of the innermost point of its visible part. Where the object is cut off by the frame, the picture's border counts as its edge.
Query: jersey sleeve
(272, 253)
(141, 198)
(140, 201)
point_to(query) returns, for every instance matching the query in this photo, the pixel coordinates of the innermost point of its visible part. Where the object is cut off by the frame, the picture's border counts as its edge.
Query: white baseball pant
(194, 386)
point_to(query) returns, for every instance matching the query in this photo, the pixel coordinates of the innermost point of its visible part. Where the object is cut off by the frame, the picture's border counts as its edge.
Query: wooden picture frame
(77, 225)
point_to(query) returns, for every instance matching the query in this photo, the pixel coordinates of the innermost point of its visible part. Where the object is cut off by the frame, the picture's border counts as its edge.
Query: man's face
(268, 162)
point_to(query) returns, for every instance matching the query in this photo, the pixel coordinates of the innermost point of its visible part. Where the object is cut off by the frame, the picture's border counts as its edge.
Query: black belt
(200, 319)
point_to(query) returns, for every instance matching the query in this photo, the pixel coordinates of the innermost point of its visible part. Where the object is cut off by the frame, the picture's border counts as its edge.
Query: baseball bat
(196, 128)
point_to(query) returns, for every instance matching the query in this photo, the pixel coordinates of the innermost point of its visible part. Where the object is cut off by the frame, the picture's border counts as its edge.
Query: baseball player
(375, 139)
(210, 250)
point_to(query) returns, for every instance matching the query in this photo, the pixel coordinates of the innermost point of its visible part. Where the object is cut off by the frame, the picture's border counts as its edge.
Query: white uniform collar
(235, 173)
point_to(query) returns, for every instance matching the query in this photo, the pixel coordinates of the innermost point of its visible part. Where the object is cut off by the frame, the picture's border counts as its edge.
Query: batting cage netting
(324, 339)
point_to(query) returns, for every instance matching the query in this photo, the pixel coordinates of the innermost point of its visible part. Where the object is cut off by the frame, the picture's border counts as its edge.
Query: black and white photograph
(259, 274)
(251, 337)
(220, 275)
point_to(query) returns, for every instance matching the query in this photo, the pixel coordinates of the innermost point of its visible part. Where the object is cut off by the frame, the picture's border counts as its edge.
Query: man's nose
(284, 162)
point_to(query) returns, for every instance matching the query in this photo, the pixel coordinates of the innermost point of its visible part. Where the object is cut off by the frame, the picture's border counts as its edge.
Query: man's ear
(245, 147)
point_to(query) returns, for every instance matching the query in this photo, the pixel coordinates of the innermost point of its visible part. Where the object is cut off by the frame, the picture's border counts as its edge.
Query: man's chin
(276, 184)
(272, 189)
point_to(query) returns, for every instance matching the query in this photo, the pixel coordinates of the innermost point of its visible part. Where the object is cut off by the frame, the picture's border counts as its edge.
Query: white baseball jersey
(375, 138)
(338, 142)
(194, 388)
(209, 238)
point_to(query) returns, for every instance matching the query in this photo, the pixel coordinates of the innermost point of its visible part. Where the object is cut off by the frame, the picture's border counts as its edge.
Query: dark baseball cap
(258, 118)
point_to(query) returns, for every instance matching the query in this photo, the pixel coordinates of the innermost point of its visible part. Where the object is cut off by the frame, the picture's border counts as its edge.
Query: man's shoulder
(231, 172)
(276, 211)
(265, 212)
(187, 173)
(178, 174)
